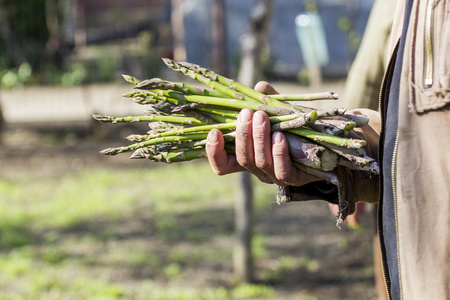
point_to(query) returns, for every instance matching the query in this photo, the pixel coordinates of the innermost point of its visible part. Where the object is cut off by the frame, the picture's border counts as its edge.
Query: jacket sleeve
(354, 186)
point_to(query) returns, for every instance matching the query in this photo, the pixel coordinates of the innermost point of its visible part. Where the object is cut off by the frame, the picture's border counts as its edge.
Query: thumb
(265, 88)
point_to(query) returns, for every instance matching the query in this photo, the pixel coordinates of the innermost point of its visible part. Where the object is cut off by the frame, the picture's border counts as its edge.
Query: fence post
(252, 43)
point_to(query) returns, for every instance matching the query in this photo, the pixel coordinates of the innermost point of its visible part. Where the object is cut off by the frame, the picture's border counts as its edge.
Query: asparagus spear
(171, 119)
(320, 137)
(310, 154)
(159, 84)
(305, 97)
(218, 108)
(224, 85)
(155, 141)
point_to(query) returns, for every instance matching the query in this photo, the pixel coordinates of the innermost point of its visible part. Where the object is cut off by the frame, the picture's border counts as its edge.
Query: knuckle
(278, 154)
(243, 131)
(283, 176)
(265, 179)
(244, 162)
(220, 172)
(264, 165)
(259, 136)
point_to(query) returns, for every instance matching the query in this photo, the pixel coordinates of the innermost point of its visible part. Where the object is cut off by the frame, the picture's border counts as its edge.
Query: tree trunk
(252, 44)
(219, 37)
(178, 32)
(242, 254)
(17, 55)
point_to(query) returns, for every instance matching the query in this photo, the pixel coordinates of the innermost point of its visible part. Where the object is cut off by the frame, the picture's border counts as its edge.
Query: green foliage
(258, 246)
(10, 78)
(74, 76)
(28, 36)
(31, 46)
(286, 264)
(252, 291)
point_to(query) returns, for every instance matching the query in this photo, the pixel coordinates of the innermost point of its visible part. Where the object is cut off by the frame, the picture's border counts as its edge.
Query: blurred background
(78, 225)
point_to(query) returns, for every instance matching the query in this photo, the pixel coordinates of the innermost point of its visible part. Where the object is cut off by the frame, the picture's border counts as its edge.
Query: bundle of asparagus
(180, 117)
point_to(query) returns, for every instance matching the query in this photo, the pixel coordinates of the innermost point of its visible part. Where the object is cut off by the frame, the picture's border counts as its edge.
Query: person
(412, 146)
(361, 90)
(367, 70)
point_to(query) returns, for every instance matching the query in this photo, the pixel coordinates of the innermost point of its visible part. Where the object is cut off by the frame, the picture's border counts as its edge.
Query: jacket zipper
(394, 196)
(428, 44)
(380, 150)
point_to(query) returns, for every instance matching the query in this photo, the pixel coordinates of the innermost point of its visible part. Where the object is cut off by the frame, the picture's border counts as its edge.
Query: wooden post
(178, 32)
(219, 37)
(242, 254)
(252, 44)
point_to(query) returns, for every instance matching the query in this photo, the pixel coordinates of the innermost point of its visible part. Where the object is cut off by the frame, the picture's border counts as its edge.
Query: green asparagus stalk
(310, 132)
(360, 120)
(130, 119)
(371, 168)
(295, 123)
(205, 128)
(340, 124)
(179, 156)
(354, 158)
(327, 129)
(305, 97)
(225, 85)
(226, 102)
(131, 79)
(265, 99)
(160, 140)
(310, 154)
(320, 137)
(215, 85)
(159, 84)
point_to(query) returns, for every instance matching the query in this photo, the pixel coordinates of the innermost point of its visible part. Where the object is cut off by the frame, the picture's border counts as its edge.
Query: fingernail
(258, 119)
(213, 137)
(245, 116)
(277, 137)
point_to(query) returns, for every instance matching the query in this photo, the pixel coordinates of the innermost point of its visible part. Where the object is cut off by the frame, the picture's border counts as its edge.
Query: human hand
(258, 151)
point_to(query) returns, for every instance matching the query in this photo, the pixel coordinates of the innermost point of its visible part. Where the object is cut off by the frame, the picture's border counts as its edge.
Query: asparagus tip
(100, 117)
(131, 79)
(109, 151)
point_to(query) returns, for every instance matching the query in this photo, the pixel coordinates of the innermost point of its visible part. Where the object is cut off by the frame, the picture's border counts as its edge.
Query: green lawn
(122, 234)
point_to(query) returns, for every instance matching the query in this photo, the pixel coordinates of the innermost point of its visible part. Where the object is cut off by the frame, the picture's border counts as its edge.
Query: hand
(257, 151)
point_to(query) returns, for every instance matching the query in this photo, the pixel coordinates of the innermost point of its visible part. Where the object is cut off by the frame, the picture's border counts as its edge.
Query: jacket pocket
(430, 66)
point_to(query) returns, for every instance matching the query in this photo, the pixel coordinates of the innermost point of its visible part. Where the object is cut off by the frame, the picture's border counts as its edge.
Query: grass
(85, 234)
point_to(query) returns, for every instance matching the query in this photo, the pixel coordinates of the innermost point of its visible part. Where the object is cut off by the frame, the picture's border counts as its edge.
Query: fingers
(221, 163)
(284, 171)
(262, 142)
(251, 138)
(257, 151)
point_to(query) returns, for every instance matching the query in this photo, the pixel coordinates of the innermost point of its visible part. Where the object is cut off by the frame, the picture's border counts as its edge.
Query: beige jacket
(421, 167)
